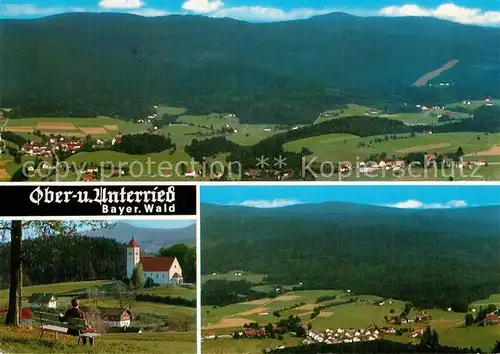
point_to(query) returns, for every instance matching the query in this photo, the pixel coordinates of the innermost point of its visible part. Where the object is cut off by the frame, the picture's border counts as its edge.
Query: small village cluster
(340, 335)
(351, 335)
(430, 161)
(36, 148)
(70, 145)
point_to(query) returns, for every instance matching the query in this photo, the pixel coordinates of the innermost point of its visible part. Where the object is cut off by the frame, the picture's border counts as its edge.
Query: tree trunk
(14, 313)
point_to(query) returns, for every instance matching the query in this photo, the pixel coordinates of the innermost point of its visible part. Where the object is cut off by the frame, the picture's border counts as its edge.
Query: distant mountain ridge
(149, 239)
(265, 72)
(483, 220)
(431, 257)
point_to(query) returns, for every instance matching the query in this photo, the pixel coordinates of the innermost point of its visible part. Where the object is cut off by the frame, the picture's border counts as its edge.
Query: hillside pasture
(471, 107)
(348, 148)
(363, 313)
(183, 292)
(169, 110)
(351, 110)
(58, 289)
(232, 276)
(243, 134)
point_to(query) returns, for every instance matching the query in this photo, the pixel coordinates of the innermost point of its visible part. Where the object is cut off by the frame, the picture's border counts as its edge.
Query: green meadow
(366, 311)
(345, 147)
(25, 339)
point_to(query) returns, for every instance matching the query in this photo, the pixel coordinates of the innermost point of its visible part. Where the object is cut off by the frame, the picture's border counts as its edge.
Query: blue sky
(414, 197)
(481, 12)
(162, 224)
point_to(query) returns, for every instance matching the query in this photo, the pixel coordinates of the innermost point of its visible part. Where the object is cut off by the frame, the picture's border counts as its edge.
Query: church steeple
(133, 243)
(133, 256)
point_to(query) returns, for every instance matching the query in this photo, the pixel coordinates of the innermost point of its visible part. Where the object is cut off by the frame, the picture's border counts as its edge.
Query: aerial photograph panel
(233, 90)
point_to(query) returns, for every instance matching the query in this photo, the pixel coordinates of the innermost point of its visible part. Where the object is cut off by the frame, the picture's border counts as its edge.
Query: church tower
(133, 257)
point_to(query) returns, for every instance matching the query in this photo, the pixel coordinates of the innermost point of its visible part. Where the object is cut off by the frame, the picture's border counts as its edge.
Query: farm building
(43, 300)
(491, 319)
(161, 270)
(116, 317)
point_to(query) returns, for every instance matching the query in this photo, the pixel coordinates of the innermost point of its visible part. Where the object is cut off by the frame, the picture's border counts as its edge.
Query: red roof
(491, 316)
(157, 264)
(177, 276)
(132, 243)
(26, 313)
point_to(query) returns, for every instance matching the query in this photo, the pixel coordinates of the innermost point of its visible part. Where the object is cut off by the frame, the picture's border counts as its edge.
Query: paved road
(2, 143)
(3, 128)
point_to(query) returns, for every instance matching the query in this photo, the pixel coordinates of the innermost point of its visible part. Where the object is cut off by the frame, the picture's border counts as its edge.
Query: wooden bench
(52, 323)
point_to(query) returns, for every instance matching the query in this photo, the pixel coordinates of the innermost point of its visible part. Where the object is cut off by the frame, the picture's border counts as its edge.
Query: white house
(116, 317)
(43, 301)
(190, 173)
(161, 270)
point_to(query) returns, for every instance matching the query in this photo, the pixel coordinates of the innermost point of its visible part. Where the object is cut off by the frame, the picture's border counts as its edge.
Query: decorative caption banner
(97, 200)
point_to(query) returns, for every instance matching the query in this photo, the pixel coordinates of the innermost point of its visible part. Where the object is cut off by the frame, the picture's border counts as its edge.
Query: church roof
(132, 243)
(157, 264)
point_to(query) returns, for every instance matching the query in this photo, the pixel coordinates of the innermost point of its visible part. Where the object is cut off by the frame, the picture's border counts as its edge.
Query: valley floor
(361, 314)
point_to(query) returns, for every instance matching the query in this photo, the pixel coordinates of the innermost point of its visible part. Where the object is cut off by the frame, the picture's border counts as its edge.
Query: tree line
(428, 265)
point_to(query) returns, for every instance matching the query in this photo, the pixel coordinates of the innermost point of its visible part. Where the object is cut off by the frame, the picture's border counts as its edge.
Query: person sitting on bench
(75, 312)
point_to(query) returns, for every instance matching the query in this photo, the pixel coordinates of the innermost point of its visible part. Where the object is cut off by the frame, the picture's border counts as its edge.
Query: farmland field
(102, 127)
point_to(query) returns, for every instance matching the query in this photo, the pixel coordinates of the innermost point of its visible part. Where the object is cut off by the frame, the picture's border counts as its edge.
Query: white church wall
(160, 278)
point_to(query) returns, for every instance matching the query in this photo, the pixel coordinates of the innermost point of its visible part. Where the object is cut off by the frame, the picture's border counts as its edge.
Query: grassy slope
(344, 147)
(24, 340)
(449, 325)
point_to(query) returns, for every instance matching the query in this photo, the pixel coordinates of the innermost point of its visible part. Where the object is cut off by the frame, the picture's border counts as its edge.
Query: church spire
(133, 243)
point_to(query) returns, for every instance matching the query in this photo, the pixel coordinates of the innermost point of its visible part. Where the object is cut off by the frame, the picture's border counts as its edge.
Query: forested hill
(59, 259)
(117, 64)
(430, 257)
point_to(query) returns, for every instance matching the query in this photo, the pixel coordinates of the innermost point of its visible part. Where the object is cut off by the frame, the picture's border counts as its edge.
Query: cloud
(261, 13)
(416, 204)
(20, 10)
(447, 11)
(121, 4)
(202, 6)
(150, 12)
(276, 203)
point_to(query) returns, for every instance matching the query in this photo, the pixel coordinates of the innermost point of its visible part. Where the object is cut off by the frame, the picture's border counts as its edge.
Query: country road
(4, 126)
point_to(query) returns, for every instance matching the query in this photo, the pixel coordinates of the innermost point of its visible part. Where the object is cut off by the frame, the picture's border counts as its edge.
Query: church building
(162, 270)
